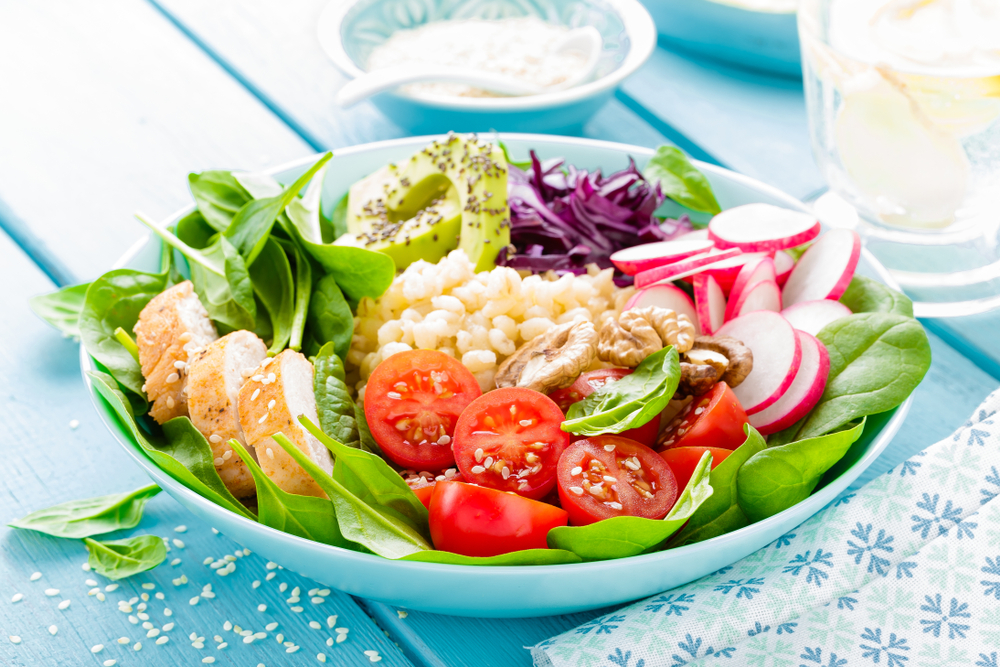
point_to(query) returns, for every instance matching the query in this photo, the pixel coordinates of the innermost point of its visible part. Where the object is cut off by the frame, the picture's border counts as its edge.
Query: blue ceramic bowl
(348, 30)
(506, 591)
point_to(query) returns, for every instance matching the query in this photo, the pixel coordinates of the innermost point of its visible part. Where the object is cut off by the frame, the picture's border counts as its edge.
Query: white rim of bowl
(639, 27)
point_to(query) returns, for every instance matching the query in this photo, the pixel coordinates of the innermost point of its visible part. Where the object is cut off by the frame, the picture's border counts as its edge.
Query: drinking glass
(904, 111)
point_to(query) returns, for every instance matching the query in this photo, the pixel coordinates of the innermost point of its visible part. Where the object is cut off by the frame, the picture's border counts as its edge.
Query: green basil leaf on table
(379, 532)
(721, 513)
(304, 516)
(514, 558)
(90, 516)
(303, 291)
(61, 308)
(180, 451)
(219, 197)
(865, 295)
(330, 318)
(271, 279)
(631, 401)
(334, 405)
(624, 536)
(776, 478)
(118, 559)
(680, 180)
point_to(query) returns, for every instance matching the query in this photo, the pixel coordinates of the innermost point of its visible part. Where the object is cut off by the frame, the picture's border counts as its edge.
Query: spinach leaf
(229, 299)
(303, 287)
(380, 532)
(385, 485)
(118, 559)
(721, 513)
(524, 557)
(623, 536)
(218, 196)
(367, 440)
(61, 308)
(865, 295)
(184, 454)
(271, 277)
(303, 516)
(211, 263)
(304, 211)
(776, 478)
(333, 400)
(876, 361)
(251, 226)
(680, 180)
(194, 231)
(330, 318)
(630, 402)
(358, 272)
(338, 219)
(115, 300)
(91, 516)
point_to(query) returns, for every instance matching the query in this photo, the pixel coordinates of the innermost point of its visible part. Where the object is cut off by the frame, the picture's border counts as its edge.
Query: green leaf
(367, 439)
(61, 308)
(271, 277)
(118, 559)
(218, 196)
(194, 231)
(304, 211)
(115, 300)
(630, 402)
(623, 536)
(524, 557)
(334, 405)
(91, 516)
(776, 478)
(303, 516)
(128, 343)
(303, 289)
(180, 451)
(523, 166)
(721, 513)
(358, 272)
(330, 318)
(229, 299)
(380, 532)
(876, 361)
(212, 264)
(338, 219)
(680, 180)
(865, 295)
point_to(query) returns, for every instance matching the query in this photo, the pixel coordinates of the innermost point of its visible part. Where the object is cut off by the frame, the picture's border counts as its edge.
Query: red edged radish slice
(777, 354)
(803, 394)
(683, 268)
(711, 303)
(765, 295)
(725, 272)
(701, 234)
(825, 270)
(650, 255)
(753, 272)
(762, 228)
(666, 296)
(811, 316)
(783, 265)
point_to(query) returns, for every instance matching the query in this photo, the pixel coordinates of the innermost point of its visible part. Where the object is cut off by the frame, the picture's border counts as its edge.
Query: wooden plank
(114, 106)
(47, 460)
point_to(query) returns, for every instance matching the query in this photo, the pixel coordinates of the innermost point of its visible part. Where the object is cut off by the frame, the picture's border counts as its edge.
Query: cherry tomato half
(683, 460)
(476, 521)
(412, 403)
(423, 487)
(587, 384)
(608, 475)
(714, 419)
(510, 439)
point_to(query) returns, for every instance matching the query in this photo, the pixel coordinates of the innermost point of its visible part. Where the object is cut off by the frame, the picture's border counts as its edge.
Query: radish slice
(783, 265)
(665, 296)
(811, 316)
(650, 255)
(825, 270)
(753, 272)
(711, 303)
(777, 354)
(726, 272)
(804, 392)
(762, 228)
(765, 295)
(683, 268)
(700, 234)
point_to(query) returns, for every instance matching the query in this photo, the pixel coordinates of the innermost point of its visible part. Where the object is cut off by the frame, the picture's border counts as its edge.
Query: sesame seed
(248, 639)
(280, 638)
(262, 607)
(321, 657)
(401, 613)
(17, 597)
(208, 660)
(161, 596)
(444, 440)
(329, 641)
(173, 377)
(179, 365)
(162, 640)
(256, 393)
(577, 490)
(228, 454)
(341, 638)
(609, 478)
(371, 652)
(175, 562)
(36, 576)
(110, 588)
(14, 639)
(184, 337)
(271, 404)
(152, 633)
(97, 648)
(198, 645)
(222, 646)
(52, 592)
(489, 462)
(93, 591)
(478, 469)
(315, 625)
(123, 640)
(609, 448)
(297, 610)
(331, 621)
(268, 451)
(219, 461)
(271, 377)
(100, 596)
(178, 543)
(53, 630)
(193, 601)
(291, 649)
(133, 620)
(255, 584)
(263, 418)
(110, 663)
(170, 402)
(74, 423)
(341, 631)
(64, 604)
(270, 576)
(260, 635)
(168, 627)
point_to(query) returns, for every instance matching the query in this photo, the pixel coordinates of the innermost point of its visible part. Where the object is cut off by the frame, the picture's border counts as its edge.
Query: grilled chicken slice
(171, 326)
(215, 375)
(271, 402)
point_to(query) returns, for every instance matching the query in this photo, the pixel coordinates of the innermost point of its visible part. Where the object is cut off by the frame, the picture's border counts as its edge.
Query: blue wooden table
(105, 109)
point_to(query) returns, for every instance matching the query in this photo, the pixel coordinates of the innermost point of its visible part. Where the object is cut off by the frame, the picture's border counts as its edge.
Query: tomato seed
(576, 471)
(609, 448)
(479, 455)
(531, 457)
(525, 422)
(577, 490)
(476, 470)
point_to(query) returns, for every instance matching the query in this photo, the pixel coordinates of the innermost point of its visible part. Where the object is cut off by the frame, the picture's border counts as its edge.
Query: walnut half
(639, 332)
(551, 361)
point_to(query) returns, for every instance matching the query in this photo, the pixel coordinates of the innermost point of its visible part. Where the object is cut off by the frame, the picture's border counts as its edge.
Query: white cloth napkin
(902, 573)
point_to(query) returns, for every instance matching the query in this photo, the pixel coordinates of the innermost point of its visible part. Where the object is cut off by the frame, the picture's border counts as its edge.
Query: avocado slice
(453, 193)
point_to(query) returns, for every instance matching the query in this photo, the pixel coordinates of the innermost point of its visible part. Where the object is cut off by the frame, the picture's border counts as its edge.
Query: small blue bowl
(348, 30)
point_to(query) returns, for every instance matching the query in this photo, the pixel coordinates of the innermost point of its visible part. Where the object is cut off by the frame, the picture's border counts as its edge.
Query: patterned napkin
(902, 573)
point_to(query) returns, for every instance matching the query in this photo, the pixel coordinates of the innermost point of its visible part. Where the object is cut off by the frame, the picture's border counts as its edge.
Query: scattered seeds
(193, 601)
(97, 648)
(168, 612)
(314, 625)
(51, 592)
(53, 630)
(256, 583)
(17, 597)
(110, 663)
(162, 640)
(14, 639)
(401, 613)
(168, 627)
(36, 576)
(137, 647)
(318, 600)
(331, 621)
(111, 588)
(64, 604)
(321, 657)
(178, 543)
(270, 576)
(262, 607)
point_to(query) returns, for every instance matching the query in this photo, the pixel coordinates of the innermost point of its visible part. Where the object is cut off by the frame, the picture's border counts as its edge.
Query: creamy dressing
(522, 48)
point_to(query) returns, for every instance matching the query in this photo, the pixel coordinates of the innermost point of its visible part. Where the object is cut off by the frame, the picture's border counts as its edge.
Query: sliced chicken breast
(171, 326)
(215, 375)
(271, 402)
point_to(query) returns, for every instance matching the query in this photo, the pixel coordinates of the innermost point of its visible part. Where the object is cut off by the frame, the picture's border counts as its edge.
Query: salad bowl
(509, 591)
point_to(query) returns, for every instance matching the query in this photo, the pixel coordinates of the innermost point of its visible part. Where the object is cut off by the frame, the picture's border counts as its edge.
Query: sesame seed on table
(244, 84)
